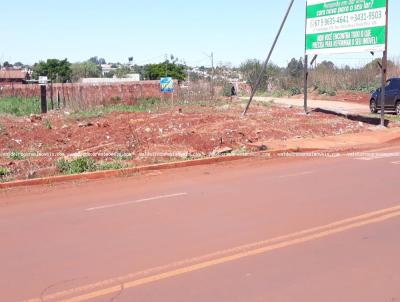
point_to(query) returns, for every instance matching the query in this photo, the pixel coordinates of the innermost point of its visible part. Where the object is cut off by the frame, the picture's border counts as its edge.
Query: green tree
(165, 69)
(194, 76)
(139, 69)
(251, 70)
(86, 69)
(96, 60)
(122, 72)
(109, 74)
(55, 70)
(374, 66)
(295, 68)
(326, 65)
(6, 64)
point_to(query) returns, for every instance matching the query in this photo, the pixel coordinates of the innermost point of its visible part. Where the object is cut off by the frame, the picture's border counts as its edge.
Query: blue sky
(147, 30)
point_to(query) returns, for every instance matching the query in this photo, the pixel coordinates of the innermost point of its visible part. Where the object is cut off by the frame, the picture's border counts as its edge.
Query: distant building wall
(130, 79)
(79, 95)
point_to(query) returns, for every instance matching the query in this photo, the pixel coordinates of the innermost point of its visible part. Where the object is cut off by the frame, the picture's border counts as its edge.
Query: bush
(227, 90)
(331, 92)
(367, 88)
(76, 166)
(279, 93)
(328, 91)
(294, 91)
(321, 90)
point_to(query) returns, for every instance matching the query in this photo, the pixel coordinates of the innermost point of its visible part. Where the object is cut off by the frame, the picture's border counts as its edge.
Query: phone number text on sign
(370, 16)
(345, 26)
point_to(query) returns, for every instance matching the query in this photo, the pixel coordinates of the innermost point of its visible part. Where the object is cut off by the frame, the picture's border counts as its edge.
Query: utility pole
(264, 67)
(188, 81)
(213, 74)
(166, 65)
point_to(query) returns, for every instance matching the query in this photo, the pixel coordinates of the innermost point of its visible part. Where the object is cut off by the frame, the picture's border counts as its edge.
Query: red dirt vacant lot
(187, 131)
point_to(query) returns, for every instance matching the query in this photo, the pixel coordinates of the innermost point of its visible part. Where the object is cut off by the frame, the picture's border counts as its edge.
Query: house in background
(107, 68)
(10, 77)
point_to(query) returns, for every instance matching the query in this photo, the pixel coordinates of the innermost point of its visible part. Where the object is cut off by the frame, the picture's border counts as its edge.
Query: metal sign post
(306, 84)
(305, 70)
(384, 68)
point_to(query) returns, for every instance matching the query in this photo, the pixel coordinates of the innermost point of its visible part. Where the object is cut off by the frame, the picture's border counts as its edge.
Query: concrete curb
(130, 171)
(116, 173)
(173, 165)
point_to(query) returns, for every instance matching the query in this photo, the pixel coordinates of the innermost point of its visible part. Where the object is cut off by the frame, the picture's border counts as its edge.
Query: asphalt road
(322, 229)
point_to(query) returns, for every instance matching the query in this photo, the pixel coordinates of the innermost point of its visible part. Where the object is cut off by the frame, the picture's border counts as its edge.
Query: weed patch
(116, 165)
(4, 171)
(76, 166)
(86, 164)
(47, 124)
(142, 105)
(16, 155)
(19, 107)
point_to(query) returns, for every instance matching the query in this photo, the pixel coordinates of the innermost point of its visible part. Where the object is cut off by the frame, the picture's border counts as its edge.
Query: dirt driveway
(338, 106)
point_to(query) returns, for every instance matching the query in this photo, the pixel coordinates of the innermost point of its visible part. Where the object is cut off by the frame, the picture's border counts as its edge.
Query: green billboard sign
(345, 26)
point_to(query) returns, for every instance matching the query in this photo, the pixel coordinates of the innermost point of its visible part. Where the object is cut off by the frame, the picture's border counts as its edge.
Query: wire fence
(78, 96)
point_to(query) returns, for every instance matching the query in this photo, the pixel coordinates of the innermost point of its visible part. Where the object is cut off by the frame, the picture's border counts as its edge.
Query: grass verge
(19, 106)
(142, 105)
(150, 105)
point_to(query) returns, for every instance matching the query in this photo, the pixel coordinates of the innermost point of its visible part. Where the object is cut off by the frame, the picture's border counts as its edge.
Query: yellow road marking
(239, 252)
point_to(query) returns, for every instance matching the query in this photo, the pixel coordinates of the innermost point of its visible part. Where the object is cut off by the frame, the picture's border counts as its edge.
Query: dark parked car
(392, 97)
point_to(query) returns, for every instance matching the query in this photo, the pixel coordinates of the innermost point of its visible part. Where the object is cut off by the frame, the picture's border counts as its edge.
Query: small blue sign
(167, 84)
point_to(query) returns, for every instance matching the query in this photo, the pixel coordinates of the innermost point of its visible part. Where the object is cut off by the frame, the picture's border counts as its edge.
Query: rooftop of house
(13, 74)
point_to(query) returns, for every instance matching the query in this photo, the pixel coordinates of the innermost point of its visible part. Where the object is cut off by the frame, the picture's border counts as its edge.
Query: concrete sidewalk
(376, 137)
(340, 107)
